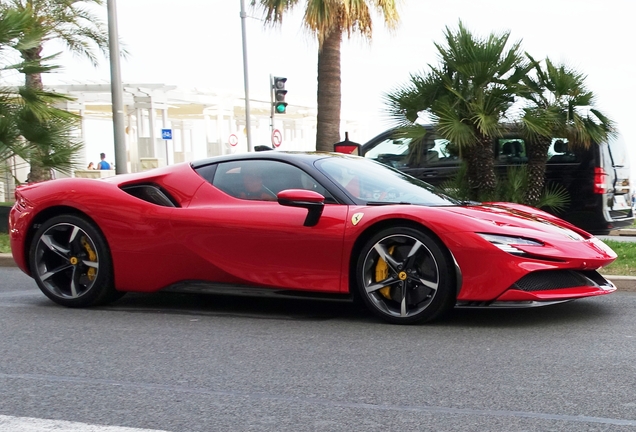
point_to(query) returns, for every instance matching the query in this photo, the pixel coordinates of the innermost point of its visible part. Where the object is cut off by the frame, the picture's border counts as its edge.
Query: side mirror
(312, 201)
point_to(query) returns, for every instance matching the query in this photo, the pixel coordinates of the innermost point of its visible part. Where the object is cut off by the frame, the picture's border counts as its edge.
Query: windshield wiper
(381, 203)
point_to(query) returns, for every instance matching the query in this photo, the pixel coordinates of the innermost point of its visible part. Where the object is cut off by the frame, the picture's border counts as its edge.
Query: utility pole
(117, 91)
(246, 80)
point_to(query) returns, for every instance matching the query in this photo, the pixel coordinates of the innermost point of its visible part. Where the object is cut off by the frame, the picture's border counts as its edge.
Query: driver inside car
(253, 186)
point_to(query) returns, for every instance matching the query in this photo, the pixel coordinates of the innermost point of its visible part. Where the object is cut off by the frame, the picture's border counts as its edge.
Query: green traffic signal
(281, 107)
(278, 95)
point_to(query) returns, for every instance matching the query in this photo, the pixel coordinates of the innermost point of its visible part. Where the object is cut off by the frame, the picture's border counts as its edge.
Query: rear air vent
(151, 193)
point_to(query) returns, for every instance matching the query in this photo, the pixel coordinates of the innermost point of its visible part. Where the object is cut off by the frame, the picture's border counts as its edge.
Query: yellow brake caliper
(382, 272)
(91, 256)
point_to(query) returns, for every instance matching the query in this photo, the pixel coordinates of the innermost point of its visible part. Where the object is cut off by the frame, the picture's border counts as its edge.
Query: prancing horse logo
(356, 218)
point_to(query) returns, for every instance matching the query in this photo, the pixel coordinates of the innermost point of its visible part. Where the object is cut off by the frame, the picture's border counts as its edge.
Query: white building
(203, 123)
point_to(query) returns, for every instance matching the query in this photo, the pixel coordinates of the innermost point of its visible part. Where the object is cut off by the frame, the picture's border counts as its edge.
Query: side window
(406, 153)
(511, 151)
(433, 152)
(392, 152)
(559, 152)
(261, 180)
(207, 172)
(442, 152)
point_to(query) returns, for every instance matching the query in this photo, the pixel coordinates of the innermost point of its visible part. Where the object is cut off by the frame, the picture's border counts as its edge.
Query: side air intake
(151, 193)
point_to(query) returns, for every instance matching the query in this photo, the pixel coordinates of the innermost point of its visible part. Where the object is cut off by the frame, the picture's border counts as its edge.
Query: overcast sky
(197, 43)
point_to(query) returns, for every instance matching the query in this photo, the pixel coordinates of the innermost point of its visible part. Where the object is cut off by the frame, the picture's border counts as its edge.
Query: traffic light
(278, 88)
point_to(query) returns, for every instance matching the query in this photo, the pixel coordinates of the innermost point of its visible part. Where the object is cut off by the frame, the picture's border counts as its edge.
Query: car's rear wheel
(70, 261)
(404, 276)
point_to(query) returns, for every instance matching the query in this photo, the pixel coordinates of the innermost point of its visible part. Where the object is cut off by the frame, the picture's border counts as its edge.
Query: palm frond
(555, 197)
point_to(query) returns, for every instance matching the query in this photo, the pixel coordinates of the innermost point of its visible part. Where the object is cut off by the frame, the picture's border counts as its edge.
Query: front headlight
(507, 243)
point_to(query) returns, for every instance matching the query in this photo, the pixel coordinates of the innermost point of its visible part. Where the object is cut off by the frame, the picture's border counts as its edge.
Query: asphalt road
(206, 363)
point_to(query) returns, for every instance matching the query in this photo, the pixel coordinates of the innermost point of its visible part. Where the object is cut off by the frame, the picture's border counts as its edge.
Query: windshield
(375, 184)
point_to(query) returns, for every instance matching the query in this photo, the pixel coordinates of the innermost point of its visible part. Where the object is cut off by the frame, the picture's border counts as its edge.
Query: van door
(615, 163)
(433, 160)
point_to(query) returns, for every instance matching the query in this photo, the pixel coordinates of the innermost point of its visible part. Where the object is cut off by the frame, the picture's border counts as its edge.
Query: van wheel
(404, 277)
(70, 261)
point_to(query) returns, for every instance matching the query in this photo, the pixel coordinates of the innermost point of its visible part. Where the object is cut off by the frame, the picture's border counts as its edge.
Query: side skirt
(202, 287)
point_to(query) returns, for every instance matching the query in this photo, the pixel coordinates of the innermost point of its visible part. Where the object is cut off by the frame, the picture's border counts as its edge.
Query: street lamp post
(117, 91)
(246, 79)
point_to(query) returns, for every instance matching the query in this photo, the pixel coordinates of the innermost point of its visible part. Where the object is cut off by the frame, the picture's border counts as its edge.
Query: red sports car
(276, 222)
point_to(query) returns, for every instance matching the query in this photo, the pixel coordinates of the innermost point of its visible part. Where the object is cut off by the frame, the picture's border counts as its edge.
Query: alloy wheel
(66, 261)
(400, 276)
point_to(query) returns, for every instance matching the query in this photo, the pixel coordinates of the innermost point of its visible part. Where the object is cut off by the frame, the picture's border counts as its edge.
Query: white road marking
(27, 424)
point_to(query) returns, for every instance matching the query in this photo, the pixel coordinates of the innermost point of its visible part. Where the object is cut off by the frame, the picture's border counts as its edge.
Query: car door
(253, 240)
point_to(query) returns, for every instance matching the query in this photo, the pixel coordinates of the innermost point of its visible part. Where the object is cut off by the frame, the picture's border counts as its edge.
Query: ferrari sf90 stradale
(277, 222)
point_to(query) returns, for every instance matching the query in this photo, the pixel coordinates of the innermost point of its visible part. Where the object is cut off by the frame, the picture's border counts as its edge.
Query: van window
(406, 153)
(441, 152)
(511, 151)
(618, 152)
(560, 152)
(391, 151)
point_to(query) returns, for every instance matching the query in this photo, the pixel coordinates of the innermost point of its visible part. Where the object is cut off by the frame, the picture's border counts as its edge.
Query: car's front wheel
(404, 276)
(70, 261)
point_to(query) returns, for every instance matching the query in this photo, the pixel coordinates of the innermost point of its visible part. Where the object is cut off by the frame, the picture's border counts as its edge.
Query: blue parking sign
(166, 134)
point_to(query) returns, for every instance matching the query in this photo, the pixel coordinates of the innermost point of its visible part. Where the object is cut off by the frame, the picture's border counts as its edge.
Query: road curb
(623, 232)
(623, 283)
(6, 260)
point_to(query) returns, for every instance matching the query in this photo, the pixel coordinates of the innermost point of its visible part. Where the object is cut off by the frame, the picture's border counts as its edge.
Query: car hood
(518, 220)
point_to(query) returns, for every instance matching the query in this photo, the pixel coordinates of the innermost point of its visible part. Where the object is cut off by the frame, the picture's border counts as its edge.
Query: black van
(597, 178)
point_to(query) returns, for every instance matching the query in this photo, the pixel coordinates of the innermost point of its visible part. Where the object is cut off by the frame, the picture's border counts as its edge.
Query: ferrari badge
(356, 218)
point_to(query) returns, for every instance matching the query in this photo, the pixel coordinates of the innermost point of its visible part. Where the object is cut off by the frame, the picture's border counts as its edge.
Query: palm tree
(13, 27)
(50, 133)
(328, 21)
(466, 97)
(30, 125)
(68, 21)
(558, 105)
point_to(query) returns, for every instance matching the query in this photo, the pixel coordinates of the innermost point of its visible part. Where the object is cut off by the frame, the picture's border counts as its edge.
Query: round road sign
(277, 138)
(233, 140)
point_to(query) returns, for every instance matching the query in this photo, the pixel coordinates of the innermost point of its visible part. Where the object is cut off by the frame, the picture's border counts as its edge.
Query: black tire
(403, 276)
(71, 263)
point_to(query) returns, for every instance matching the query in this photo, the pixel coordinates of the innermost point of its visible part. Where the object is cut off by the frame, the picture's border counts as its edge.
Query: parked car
(597, 179)
(301, 224)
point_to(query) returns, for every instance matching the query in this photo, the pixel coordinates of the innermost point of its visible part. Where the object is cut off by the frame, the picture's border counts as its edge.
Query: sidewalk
(623, 232)
(623, 283)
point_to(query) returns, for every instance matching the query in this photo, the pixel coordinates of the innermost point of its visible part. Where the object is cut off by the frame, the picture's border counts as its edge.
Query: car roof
(303, 157)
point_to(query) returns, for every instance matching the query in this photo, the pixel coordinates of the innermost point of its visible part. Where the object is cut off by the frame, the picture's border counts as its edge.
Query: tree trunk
(329, 92)
(481, 169)
(537, 158)
(34, 81)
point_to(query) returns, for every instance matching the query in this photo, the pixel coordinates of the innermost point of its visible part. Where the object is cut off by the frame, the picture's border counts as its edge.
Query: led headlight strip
(508, 243)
